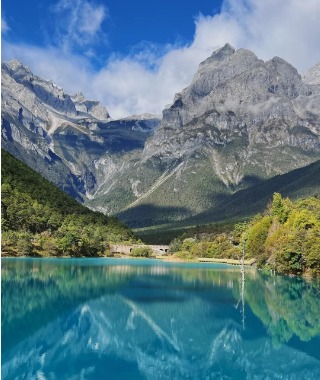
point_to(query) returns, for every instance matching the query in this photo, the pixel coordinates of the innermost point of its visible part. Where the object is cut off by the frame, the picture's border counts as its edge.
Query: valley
(242, 131)
(240, 123)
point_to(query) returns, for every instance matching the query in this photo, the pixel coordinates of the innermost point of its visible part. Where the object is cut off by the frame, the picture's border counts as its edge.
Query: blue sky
(134, 55)
(122, 26)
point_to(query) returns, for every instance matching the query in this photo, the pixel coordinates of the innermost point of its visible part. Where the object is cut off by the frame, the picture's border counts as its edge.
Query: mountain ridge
(240, 121)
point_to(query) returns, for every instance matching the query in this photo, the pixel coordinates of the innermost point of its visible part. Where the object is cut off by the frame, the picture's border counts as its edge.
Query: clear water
(143, 319)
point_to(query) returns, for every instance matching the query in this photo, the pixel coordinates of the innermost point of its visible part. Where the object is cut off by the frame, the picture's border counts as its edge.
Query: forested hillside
(39, 219)
(285, 238)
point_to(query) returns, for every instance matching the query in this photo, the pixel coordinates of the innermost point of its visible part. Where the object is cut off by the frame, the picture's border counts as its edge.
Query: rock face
(312, 76)
(70, 140)
(240, 121)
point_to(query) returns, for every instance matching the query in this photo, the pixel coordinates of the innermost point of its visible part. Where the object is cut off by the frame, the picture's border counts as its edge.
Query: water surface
(144, 319)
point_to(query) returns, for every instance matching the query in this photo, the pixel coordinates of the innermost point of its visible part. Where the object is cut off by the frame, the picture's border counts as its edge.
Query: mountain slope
(38, 218)
(241, 121)
(299, 183)
(69, 140)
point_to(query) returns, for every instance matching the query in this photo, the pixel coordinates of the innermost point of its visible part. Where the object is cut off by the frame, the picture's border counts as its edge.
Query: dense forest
(38, 219)
(285, 238)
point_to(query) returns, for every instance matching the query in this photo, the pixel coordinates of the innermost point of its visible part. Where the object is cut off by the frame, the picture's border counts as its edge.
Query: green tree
(256, 236)
(24, 244)
(188, 244)
(280, 208)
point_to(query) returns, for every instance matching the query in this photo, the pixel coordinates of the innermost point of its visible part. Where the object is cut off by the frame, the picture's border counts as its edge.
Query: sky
(134, 55)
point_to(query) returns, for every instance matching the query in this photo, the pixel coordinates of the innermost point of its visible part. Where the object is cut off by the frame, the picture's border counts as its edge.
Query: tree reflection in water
(138, 319)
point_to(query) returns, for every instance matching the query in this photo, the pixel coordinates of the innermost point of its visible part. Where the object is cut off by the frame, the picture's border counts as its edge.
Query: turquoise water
(144, 319)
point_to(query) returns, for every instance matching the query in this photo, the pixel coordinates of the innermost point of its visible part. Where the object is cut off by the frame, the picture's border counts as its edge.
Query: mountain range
(241, 122)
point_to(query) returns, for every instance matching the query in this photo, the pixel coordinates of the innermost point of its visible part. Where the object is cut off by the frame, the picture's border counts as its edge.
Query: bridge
(126, 249)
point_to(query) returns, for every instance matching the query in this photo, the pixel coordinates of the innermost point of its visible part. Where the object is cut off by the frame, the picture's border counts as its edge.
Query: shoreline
(168, 259)
(207, 260)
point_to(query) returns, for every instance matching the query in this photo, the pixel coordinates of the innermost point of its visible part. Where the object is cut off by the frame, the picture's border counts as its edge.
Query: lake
(145, 319)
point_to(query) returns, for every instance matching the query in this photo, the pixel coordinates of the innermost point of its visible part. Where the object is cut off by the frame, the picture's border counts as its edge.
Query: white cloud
(78, 22)
(4, 26)
(72, 72)
(287, 28)
(146, 81)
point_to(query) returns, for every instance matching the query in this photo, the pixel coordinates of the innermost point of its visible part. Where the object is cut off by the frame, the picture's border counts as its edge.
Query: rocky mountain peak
(143, 116)
(240, 121)
(284, 79)
(236, 107)
(218, 55)
(48, 94)
(15, 65)
(78, 97)
(312, 76)
(283, 68)
(230, 80)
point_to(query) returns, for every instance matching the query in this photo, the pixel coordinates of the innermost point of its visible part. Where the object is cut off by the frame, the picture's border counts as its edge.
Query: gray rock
(70, 140)
(312, 76)
(240, 121)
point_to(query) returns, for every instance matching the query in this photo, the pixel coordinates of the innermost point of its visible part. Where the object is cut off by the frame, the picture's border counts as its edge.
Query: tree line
(39, 219)
(284, 238)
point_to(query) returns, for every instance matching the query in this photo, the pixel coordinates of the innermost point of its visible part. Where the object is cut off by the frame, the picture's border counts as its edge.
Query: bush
(141, 252)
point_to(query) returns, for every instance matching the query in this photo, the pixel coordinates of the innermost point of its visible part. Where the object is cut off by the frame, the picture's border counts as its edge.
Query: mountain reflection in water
(142, 319)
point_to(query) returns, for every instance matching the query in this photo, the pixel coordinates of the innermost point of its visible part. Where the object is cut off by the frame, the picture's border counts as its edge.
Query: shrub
(141, 252)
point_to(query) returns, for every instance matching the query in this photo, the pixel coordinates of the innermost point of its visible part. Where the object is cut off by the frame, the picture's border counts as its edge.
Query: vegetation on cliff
(39, 219)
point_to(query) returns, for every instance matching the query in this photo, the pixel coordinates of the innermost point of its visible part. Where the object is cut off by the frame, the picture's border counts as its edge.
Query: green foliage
(280, 208)
(218, 246)
(141, 252)
(17, 243)
(39, 219)
(24, 244)
(291, 242)
(175, 245)
(188, 244)
(185, 255)
(287, 307)
(206, 199)
(290, 261)
(256, 236)
(286, 238)
(238, 231)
